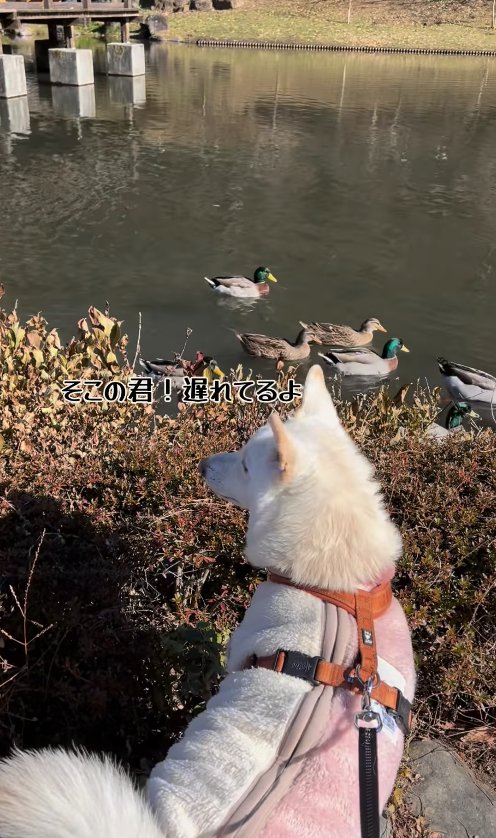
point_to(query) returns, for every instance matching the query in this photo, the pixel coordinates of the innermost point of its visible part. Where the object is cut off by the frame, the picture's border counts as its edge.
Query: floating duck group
(359, 362)
(349, 354)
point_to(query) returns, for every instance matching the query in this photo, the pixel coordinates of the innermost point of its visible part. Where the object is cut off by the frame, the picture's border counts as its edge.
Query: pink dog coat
(312, 788)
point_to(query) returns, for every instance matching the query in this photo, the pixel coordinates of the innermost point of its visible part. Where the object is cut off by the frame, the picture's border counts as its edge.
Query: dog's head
(315, 510)
(278, 454)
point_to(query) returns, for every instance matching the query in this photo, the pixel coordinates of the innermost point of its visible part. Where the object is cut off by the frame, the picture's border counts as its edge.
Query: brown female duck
(336, 334)
(263, 346)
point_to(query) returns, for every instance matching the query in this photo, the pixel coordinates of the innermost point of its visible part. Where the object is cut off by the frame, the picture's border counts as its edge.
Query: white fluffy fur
(316, 515)
(55, 794)
(326, 526)
(239, 734)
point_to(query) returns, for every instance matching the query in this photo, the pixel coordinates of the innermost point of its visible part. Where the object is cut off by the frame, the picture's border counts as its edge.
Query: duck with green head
(453, 422)
(365, 362)
(242, 286)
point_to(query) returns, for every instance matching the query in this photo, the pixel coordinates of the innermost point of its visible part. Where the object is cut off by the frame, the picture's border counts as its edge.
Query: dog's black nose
(202, 467)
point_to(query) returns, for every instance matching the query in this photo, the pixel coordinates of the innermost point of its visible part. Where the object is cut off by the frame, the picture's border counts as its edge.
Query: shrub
(122, 576)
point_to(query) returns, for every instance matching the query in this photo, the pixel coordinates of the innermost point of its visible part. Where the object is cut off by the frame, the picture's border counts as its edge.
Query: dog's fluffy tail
(60, 794)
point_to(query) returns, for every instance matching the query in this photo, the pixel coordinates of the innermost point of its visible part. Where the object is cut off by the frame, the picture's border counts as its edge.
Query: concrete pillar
(14, 115)
(71, 66)
(125, 59)
(127, 90)
(70, 36)
(125, 31)
(53, 32)
(12, 76)
(71, 101)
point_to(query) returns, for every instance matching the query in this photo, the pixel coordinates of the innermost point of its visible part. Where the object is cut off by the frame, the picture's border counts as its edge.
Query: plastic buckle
(402, 714)
(299, 665)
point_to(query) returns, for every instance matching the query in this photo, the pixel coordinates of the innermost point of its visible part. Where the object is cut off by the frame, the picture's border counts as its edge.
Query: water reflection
(14, 116)
(71, 101)
(368, 183)
(127, 90)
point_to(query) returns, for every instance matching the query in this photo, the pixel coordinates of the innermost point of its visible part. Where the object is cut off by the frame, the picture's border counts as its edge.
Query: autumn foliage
(122, 576)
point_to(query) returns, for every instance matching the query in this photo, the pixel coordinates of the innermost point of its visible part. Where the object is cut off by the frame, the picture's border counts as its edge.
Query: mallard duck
(241, 286)
(453, 422)
(336, 334)
(160, 368)
(176, 370)
(364, 361)
(263, 346)
(467, 383)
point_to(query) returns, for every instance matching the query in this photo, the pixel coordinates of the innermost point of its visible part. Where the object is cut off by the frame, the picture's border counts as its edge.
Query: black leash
(369, 723)
(369, 787)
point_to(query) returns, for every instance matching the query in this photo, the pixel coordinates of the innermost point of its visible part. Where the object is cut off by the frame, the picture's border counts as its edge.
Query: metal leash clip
(368, 718)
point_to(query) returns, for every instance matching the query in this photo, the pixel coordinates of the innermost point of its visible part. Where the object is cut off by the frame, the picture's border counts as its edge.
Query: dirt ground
(424, 12)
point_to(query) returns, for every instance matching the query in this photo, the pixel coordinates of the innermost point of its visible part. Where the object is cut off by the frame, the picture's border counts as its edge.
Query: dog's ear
(284, 446)
(317, 400)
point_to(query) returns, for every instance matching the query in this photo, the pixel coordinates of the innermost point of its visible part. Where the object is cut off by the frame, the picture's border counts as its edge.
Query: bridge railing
(85, 5)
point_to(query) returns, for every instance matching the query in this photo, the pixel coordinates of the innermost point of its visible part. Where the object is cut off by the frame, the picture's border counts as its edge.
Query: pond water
(366, 183)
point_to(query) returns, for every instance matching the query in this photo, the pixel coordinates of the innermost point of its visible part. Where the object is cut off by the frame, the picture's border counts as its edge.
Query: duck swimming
(203, 367)
(337, 334)
(242, 286)
(365, 362)
(263, 346)
(467, 383)
(453, 422)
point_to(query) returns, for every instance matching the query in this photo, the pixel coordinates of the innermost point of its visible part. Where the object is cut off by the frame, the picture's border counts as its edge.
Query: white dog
(272, 755)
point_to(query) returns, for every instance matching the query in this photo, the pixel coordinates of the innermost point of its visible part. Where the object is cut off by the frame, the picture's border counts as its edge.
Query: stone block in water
(12, 76)
(71, 66)
(127, 90)
(125, 59)
(74, 101)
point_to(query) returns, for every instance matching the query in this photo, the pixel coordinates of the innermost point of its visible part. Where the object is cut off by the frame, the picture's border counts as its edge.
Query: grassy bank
(426, 24)
(423, 24)
(122, 577)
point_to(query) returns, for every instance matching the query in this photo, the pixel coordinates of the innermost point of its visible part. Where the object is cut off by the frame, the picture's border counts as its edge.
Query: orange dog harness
(362, 677)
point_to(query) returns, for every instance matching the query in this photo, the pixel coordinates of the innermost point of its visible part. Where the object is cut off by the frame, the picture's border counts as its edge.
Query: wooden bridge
(68, 13)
